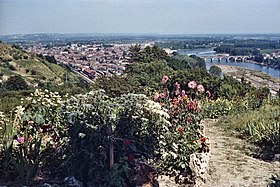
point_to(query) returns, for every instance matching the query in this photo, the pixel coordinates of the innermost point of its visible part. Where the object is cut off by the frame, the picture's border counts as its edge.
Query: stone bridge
(226, 58)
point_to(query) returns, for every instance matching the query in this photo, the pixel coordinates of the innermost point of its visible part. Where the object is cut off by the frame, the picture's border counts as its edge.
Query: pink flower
(183, 93)
(209, 94)
(192, 84)
(177, 85)
(162, 95)
(156, 96)
(20, 139)
(164, 79)
(200, 88)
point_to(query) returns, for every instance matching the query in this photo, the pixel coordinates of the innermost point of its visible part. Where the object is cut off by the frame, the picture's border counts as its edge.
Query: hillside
(34, 70)
(21, 73)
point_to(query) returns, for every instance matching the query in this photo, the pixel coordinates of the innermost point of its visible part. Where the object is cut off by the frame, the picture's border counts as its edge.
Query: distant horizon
(162, 17)
(96, 33)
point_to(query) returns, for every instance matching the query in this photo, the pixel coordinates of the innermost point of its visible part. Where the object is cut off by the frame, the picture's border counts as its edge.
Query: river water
(207, 52)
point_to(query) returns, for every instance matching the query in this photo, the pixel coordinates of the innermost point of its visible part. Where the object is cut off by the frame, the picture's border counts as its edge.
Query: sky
(140, 16)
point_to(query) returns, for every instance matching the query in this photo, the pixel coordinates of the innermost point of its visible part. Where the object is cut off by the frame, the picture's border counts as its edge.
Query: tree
(16, 83)
(215, 71)
(115, 85)
(148, 54)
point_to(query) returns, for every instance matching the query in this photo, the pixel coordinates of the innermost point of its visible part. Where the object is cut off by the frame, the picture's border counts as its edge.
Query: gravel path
(229, 165)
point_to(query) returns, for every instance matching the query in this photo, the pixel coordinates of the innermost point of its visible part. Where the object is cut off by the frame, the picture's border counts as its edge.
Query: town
(91, 60)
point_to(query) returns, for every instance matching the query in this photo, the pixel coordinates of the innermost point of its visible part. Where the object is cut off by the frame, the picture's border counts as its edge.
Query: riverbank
(257, 78)
(262, 64)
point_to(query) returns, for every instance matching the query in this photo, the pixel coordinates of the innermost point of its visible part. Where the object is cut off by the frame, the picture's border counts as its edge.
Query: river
(207, 52)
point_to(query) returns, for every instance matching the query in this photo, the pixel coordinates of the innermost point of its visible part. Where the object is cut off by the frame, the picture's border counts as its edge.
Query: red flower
(203, 139)
(130, 157)
(189, 119)
(180, 130)
(126, 142)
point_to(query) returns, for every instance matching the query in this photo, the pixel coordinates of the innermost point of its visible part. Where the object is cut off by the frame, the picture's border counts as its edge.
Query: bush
(11, 67)
(33, 72)
(215, 71)
(16, 83)
(117, 85)
(136, 127)
(33, 127)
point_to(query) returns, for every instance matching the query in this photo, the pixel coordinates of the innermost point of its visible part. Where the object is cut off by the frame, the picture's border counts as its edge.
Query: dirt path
(229, 165)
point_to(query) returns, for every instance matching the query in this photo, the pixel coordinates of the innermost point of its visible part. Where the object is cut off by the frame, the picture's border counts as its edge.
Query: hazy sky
(140, 16)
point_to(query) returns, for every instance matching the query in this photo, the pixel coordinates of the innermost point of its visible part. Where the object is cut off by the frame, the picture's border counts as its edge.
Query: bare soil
(230, 164)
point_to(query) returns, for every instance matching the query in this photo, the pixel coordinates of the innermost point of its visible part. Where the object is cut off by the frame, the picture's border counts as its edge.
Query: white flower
(20, 110)
(81, 135)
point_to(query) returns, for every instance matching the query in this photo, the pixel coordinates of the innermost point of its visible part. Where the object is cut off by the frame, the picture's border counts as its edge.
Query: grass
(259, 126)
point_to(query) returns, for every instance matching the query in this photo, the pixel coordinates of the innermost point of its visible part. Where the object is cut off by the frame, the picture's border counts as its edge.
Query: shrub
(11, 67)
(137, 125)
(16, 83)
(33, 72)
(34, 127)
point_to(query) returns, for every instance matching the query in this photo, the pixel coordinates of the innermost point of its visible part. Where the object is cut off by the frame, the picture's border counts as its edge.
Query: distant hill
(33, 69)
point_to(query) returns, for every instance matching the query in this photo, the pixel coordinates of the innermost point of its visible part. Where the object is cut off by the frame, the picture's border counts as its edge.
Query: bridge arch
(231, 59)
(239, 59)
(246, 58)
(225, 59)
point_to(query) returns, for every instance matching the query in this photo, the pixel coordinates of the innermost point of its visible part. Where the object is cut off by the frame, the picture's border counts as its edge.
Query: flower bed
(104, 141)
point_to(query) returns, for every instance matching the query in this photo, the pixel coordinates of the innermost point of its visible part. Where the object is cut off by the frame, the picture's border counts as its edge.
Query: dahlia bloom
(200, 88)
(162, 95)
(192, 84)
(183, 93)
(209, 94)
(164, 79)
(20, 139)
(156, 96)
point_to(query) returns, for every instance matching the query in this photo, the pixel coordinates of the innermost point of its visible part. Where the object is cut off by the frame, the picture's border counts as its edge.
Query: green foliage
(7, 103)
(215, 71)
(117, 85)
(35, 127)
(184, 69)
(147, 55)
(137, 124)
(224, 105)
(149, 74)
(11, 67)
(33, 72)
(16, 83)
(275, 181)
(260, 126)
(181, 62)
